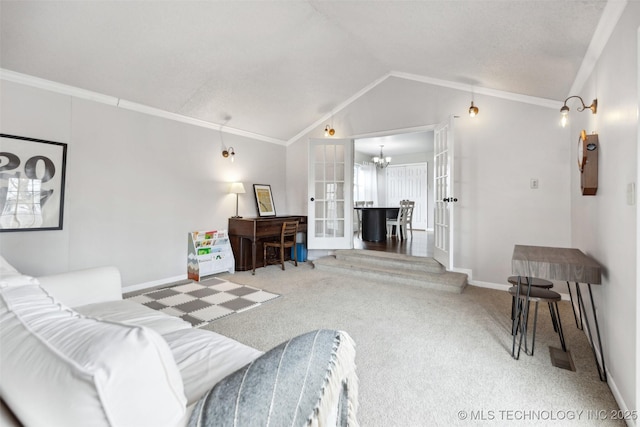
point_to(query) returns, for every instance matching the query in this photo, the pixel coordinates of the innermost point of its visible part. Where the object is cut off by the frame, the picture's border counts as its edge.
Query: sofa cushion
(86, 286)
(135, 314)
(61, 368)
(7, 269)
(205, 357)
(17, 280)
(9, 276)
(309, 380)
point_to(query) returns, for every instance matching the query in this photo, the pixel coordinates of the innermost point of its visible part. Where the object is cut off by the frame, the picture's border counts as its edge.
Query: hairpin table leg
(601, 367)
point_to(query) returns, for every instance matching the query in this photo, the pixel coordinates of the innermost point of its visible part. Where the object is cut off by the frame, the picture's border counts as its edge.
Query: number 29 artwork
(32, 180)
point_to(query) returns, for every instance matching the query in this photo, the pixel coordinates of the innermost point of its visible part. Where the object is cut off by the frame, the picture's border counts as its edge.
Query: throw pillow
(309, 380)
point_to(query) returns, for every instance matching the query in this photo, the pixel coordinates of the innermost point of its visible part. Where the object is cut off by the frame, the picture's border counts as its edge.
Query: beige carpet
(427, 357)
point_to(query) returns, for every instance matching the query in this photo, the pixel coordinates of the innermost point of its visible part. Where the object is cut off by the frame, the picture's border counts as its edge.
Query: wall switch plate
(533, 183)
(631, 193)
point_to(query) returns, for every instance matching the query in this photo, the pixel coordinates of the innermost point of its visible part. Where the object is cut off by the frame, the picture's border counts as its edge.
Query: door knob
(313, 199)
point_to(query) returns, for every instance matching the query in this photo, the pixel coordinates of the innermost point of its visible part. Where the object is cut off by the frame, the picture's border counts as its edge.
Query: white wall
(498, 152)
(605, 226)
(136, 185)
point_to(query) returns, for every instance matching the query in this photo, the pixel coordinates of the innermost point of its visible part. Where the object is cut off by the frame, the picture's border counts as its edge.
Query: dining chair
(404, 219)
(409, 216)
(359, 216)
(288, 236)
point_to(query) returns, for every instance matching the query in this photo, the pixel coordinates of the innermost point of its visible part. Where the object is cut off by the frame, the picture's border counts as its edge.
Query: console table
(248, 234)
(565, 264)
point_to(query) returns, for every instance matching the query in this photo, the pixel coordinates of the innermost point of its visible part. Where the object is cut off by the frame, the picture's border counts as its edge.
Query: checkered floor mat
(202, 302)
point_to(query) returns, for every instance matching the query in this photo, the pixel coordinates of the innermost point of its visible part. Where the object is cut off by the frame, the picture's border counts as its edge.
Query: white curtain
(367, 183)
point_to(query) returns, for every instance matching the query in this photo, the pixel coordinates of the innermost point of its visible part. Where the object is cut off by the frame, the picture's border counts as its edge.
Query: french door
(443, 151)
(330, 205)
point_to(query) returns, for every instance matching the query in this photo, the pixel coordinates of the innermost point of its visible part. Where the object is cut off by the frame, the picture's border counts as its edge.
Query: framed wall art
(32, 180)
(264, 200)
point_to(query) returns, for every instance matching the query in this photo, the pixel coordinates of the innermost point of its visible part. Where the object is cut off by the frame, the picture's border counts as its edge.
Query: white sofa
(74, 353)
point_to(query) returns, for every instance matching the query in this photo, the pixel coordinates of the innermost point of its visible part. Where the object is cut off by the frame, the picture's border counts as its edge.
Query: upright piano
(248, 234)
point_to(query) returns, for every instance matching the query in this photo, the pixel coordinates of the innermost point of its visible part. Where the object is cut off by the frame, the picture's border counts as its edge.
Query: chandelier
(382, 161)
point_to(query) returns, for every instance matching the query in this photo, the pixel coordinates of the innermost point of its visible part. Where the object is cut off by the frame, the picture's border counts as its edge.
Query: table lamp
(237, 188)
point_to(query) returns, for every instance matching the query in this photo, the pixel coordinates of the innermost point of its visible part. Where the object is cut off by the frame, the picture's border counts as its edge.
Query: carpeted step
(390, 260)
(398, 274)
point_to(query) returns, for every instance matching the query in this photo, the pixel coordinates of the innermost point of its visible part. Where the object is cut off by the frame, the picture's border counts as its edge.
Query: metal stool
(536, 294)
(538, 283)
(524, 281)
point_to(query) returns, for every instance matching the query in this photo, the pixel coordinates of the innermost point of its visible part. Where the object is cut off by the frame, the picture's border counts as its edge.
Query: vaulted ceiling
(277, 67)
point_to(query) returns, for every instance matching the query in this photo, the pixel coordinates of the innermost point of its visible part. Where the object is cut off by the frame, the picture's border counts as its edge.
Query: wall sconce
(226, 152)
(565, 109)
(473, 110)
(236, 188)
(329, 131)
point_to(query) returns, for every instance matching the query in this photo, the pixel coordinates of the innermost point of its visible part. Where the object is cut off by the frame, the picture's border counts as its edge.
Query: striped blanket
(309, 380)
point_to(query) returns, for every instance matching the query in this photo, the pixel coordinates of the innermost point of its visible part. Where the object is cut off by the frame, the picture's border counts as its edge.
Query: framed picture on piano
(264, 200)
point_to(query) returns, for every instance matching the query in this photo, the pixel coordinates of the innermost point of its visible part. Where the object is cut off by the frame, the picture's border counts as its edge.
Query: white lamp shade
(237, 188)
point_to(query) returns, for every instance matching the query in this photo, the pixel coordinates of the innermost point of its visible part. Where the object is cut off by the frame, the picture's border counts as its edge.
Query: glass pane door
(330, 206)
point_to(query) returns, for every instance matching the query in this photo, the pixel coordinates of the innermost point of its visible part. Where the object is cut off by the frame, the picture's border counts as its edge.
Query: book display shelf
(209, 253)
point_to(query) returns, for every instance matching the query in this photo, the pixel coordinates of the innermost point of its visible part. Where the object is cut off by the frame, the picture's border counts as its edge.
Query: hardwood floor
(420, 245)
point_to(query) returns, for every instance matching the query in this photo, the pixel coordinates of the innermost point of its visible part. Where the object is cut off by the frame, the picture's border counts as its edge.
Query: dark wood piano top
(301, 218)
(263, 226)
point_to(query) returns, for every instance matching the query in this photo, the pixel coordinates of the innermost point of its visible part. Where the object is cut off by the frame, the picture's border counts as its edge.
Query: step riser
(389, 278)
(389, 263)
(393, 268)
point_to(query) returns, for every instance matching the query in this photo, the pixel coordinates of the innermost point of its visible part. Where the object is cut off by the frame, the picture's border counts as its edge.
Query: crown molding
(338, 108)
(378, 134)
(542, 102)
(75, 92)
(60, 88)
(608, 21)
(547, 103)
(145, 109)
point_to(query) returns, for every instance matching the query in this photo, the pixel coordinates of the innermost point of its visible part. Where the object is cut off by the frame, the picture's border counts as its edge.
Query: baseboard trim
(504, 287)
(466, 271)
(624, 409)
(489, 285)
(153, 283)
(313, 254)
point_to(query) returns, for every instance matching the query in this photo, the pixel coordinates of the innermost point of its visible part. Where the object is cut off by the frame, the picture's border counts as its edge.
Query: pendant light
(382, 161)
(473, 110)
